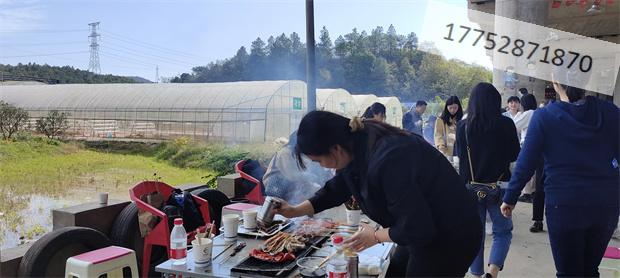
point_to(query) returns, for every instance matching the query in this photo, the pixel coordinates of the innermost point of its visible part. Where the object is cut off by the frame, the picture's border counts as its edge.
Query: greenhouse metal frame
(393, 110)
(336, 100)
(253, 111)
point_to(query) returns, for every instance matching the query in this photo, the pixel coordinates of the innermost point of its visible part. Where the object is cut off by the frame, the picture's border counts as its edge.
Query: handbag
(485, 192)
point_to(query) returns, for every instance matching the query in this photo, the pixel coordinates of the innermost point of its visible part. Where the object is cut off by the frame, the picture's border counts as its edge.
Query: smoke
(284, 178)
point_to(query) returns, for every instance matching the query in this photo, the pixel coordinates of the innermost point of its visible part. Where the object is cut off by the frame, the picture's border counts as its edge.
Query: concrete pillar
(507, 82)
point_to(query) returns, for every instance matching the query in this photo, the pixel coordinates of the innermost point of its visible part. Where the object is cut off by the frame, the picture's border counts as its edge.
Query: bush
(54, 124)
(12, 119)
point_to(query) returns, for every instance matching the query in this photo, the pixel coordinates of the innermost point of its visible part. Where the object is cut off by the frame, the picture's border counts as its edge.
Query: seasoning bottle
(352, 263)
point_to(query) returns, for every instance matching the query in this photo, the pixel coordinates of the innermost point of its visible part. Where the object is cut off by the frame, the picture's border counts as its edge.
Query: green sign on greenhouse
(296, 103)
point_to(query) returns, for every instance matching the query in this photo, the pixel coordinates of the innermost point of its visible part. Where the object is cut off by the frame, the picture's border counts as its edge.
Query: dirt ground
(530, 253)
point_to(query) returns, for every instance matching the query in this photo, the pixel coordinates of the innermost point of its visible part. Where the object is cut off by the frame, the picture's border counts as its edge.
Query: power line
(64, 59)
(136, 53)
(46, 54)
(126, 59)
(40, 44)
(148, 54)
(15, 31)
(150, 45)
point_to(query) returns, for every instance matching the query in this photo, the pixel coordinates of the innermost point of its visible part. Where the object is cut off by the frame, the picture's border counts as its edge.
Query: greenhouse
(336, 100)
(363, 101)
(393, 110)
(255, 111)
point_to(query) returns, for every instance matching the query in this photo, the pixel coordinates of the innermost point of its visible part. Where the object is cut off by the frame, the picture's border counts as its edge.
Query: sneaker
(526, 198)
(536, 227)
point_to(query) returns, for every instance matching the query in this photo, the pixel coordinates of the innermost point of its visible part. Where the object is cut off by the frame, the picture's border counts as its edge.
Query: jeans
(578, 237)
(502, 236)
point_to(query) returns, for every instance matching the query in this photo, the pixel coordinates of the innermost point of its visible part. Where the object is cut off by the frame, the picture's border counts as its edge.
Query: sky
(138, 35)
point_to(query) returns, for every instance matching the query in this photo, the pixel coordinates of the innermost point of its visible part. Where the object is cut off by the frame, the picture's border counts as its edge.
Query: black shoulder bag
(485, 192)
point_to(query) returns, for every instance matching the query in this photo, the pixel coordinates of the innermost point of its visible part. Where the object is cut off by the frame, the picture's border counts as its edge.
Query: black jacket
(407, 186)
(491, 151)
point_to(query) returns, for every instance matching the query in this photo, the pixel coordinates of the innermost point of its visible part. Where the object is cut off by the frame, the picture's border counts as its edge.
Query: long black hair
(484, 110)
(528, 102)
(375, 109)
(445, 115)
(319, 131)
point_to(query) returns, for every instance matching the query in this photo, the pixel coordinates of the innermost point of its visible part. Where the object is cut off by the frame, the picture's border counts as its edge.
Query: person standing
(578, 139)
(489, 140)
(445, 126)
(413, 121)
(514, 105)
(419, 200)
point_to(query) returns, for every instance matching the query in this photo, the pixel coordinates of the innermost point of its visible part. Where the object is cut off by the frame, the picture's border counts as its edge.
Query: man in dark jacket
(412, 120)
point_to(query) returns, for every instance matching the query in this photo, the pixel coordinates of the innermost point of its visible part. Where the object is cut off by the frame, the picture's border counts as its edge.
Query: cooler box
(238, 208)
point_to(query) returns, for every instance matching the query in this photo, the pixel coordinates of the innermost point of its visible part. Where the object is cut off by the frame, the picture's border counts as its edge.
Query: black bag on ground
(182, 205)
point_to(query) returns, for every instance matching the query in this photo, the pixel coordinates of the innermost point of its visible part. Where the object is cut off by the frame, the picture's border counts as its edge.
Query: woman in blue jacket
(578, 139)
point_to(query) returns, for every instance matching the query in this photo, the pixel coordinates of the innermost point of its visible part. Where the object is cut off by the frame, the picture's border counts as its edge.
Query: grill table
(219, 269)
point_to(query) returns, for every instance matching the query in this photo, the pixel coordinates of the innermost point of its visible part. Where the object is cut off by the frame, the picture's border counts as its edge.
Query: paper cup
(249, 219)
(353, 217)
(201, 250)
(231, 224)
(103, 198)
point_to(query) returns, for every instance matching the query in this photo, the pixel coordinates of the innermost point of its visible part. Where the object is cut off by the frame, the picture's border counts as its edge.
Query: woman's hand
(286, 210)
(364, 238)
(507, 210)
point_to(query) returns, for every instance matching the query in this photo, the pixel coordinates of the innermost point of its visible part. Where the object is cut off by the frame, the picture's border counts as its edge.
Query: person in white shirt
(514, 105)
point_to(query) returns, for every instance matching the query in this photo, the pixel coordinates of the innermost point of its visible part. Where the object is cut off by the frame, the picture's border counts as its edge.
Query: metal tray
(252, 265)
(257, 233)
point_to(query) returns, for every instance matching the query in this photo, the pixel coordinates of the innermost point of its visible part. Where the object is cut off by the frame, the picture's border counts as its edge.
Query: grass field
(38, 175)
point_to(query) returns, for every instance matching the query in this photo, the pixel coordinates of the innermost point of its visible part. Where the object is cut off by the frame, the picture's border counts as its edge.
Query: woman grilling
(402, 183)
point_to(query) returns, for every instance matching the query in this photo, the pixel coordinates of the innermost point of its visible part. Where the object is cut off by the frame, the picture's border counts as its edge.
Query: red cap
(337, 239)
(178, 221)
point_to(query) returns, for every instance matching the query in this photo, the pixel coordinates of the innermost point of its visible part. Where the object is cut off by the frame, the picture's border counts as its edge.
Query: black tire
(217, 200)
(48, 255)
(125, 232)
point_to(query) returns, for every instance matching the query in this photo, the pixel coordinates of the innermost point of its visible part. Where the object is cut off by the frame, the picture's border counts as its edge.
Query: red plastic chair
(256, 195)
(160, 234)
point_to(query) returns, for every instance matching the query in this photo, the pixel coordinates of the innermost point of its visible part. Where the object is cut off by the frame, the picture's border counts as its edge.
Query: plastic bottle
(337, 266)
(178, 243)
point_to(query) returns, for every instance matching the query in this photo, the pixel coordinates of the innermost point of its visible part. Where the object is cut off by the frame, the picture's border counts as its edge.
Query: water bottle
(178, 243)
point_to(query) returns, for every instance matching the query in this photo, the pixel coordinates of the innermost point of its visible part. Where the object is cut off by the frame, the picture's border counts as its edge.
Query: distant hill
(60, 75)
(139, 79)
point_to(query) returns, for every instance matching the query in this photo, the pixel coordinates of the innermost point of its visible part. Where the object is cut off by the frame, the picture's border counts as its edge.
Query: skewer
(325, 260)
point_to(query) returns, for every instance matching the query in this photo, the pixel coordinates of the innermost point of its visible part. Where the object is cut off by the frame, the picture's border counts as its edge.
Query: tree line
(381, 62)
(59, 75)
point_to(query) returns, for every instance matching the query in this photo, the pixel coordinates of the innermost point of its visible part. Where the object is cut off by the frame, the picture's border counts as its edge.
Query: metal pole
(310, 65)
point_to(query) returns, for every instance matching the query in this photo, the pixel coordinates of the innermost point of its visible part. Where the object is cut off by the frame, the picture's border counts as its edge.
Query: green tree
(12, 119)
(53, 125)
(257, 60)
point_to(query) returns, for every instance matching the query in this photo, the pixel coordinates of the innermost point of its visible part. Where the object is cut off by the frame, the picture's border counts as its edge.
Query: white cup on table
(201, 251)
(231, 224)
(103, 198)
(353, 217)
(249, 219)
